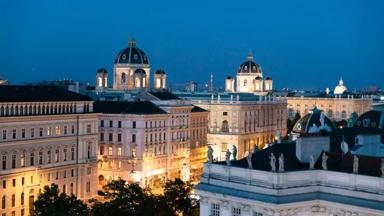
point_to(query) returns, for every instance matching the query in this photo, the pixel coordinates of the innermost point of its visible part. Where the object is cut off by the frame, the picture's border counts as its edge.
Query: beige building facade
(241, 120)
(337, 108)
(47, 136)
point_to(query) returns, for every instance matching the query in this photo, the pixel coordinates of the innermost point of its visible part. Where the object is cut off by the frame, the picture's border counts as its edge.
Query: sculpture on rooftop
(324, 159)
(249, 160)
(228, 157)
(279, 137)
(210, 154)
(344, 146)
(234, 152)
(281, 163)
(355, 164)
(255, 148)
(272, 162)
(311, 162)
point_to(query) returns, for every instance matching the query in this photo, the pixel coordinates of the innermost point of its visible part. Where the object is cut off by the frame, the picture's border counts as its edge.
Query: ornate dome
(131, 55)
(341, 88)
(160, 71)
(373, 119)
(314, 122)
(102, 70)
(249, 66)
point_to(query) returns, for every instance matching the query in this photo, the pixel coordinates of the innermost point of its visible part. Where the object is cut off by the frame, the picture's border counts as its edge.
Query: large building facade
(241, 120)
(48, 135)
(336, 108)
(151, 141)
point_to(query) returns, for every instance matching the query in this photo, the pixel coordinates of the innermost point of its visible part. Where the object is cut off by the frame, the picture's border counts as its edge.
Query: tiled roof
(13, 93)
(127, 107)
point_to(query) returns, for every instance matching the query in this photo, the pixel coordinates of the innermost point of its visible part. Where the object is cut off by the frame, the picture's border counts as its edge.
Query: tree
(51, 203)
(177, 195)
(125, 199)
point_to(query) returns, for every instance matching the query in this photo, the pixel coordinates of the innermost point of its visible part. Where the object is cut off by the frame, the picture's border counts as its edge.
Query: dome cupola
(131, 54)
(249, 66)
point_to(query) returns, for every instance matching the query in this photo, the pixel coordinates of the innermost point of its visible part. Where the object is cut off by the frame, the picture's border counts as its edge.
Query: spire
(341, 82)
(131, 41)
(250, 56)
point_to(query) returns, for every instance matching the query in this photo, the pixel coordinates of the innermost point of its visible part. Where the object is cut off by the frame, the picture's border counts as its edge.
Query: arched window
(123, 78)
(224, 126)
(245, 83)
(343, 114)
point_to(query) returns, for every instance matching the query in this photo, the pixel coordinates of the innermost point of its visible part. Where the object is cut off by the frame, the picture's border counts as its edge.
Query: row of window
(38, 109)
(111, 124)
(216, 211)
(50, 156)
(119, 137)
(41, 132)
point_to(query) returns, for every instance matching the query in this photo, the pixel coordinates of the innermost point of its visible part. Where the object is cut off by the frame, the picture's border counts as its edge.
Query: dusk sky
(300, 44)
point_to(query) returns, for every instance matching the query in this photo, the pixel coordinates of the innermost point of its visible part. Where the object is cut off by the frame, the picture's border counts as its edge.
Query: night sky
(300, 44)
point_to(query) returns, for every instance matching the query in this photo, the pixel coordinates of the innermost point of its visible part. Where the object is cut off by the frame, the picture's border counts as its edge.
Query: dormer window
(135, 56)
(124, 57)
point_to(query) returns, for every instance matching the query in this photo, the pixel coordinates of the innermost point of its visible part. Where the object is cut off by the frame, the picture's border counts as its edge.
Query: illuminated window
(49, 132)
(22, 159)
(109, 150)
(119, 151)
(57, 130)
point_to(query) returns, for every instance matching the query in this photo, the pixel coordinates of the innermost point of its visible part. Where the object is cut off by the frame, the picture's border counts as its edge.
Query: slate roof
(198, 109)
(164, 95)
(15, 93)
(127, 107)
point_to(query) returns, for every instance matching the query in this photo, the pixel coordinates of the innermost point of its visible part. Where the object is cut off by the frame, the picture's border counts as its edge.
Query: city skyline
(313, 43)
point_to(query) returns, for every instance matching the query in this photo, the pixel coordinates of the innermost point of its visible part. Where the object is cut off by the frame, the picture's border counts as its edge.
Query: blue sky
(300, 44)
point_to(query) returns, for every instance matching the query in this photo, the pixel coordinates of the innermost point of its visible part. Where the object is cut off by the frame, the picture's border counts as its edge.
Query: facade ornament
(272, 162)
(249, 160)
(344, 146)
(355, 164)
(281, 163)
(311, 162)
(228, 157)
(234, 152)
(210, 154)
(324, 159)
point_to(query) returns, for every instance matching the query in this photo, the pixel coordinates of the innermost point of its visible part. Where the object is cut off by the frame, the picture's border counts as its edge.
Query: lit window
(119, 151)
(57, 130)
(109, 150)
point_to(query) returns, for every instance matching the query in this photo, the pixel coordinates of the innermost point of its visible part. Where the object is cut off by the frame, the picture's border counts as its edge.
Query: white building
(312, 178)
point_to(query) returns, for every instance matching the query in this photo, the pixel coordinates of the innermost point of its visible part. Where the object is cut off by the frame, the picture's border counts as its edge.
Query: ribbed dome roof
(102, 70)
(311, 123)
(160, 71)
(373, 119)
(131, 55)
(249, 66)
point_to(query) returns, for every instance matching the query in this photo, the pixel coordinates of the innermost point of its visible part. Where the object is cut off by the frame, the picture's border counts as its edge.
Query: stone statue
(281, 163)
(210, 154)
(322, 121)
(249, 160)
(255, 148)
(311, 162)
(272, 162)
(355, 164)
(234, 152)
(324, 159)
(279, 137)
(228, 157)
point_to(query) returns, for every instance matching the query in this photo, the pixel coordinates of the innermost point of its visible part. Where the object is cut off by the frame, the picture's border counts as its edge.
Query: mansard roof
(19, 93)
